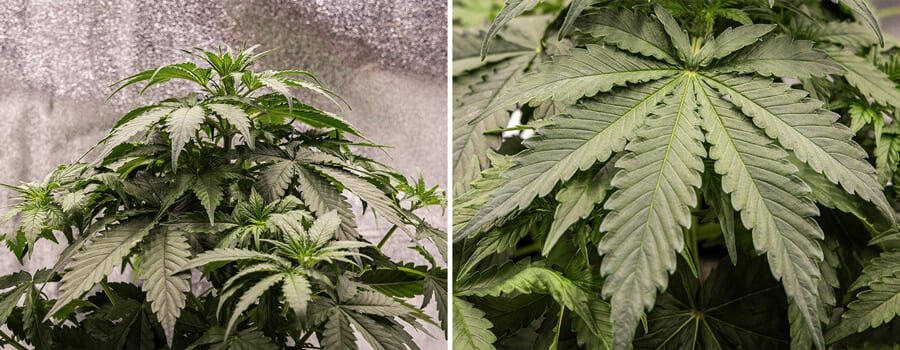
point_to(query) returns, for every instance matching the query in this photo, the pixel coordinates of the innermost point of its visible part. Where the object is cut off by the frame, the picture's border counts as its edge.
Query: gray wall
(386, 58)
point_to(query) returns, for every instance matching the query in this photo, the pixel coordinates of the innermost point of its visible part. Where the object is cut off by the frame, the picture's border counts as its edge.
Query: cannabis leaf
(878, 302)
(470, 329)
(166, 250)
(735, 307)
(96, 260)
(649, 91)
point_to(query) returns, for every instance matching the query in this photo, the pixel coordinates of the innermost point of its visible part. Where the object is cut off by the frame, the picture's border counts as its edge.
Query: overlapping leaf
(656, 190)
(762, 185)
(590, 133)
(96, 260)
(470, 329)
(470, 146)
(166, 251)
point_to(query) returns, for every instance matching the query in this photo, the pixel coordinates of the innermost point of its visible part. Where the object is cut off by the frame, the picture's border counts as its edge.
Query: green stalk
(7, 340)
(692, 241)
(386, 237)
(889, 12)
(109, 294)
(558, 328)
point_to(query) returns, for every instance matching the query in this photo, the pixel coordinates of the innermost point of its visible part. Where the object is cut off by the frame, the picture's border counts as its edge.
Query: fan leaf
(866, 77)
(297, 292)
(96, 260)
(632, 31)
(781, 57)
(470, 329)
(249, 297)
(590, 133)
(181, 125)
(166, 251)
(656, 189)
(366, 191)
(772, 203)
(338, 334)
(576, 202)
(800, 125)
(863, 10)
(470, 145)
(321, 198)
(583, 72)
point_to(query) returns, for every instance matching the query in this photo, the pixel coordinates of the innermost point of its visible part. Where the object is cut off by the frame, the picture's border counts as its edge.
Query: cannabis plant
(238, 189)
(698, 179)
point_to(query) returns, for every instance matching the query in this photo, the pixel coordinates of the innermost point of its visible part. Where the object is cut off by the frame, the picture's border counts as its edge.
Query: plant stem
(386, 237)
(108, 292)
(412, 271)
(10, 341)
(692, 240)
(889, 12)
(302, 340)
(532, 248)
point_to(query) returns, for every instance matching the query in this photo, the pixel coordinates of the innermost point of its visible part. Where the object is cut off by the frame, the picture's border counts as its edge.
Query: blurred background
(386, 58)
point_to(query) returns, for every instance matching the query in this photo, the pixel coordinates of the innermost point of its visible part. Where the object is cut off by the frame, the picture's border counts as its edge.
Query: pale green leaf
(331, 96)
(33, 221)
(338, 334)
(582, 72)
(470, 145)
(866, 77)
(468, 204)
(520, 37)
(208, 188)
(237, 117)
(887, 157)
(96, 260)
(632, 31)
(680, 40)
(544, 281)
(800, 125)
(832, 196)
(600, 310)
(379, 334)
(181, 124)
(249, 297)
(877, 305)
(374, 197)
(375, 303)
(126, 131)
(297, 292)
(268, 79)
(10, 298)
(512, 9)
(323, 229)
(321, 197)
(575, 9)
(470, 329)
(863, 11)
(588, 134)
(781, 57)
(851, 34)
(576, 201)
(656, 190)
(275, 178)
(165, 252)
(230, 254)
(498, 241)
(885, 265)
(772, 203)
(733, 39)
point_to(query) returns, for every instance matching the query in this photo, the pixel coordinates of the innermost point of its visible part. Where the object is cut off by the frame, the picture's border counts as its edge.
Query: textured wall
(386, 58)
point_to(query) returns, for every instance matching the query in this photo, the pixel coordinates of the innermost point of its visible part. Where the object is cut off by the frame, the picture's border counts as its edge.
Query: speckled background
(386, 58)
